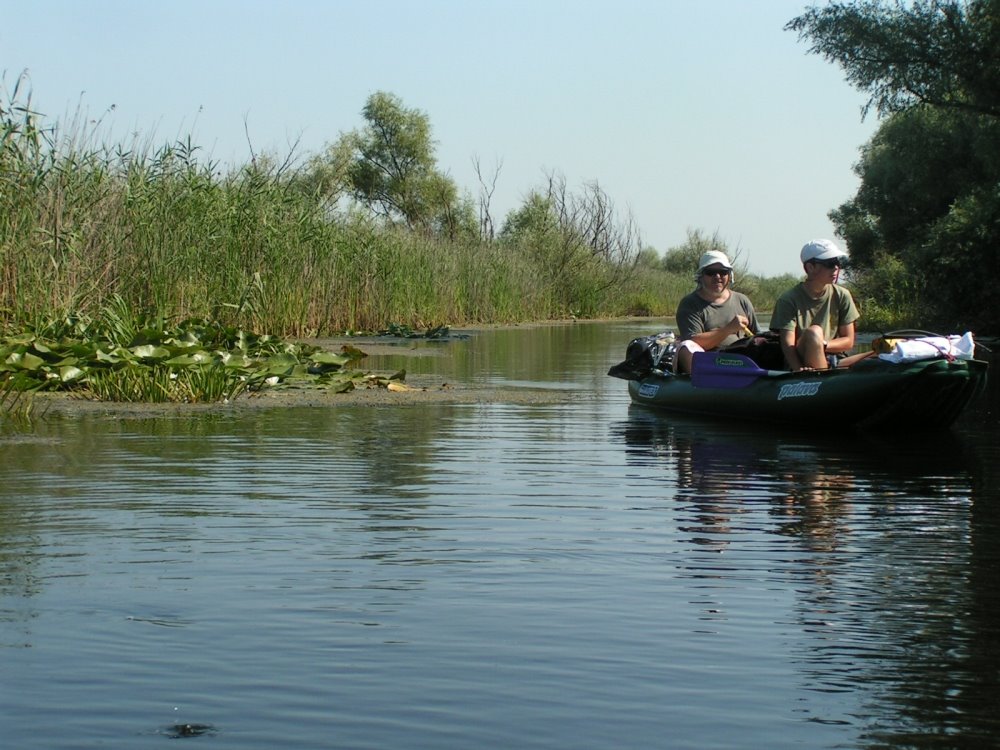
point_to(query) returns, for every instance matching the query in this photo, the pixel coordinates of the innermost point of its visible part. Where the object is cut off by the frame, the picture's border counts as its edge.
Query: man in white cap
(713, 315)
(816, 317)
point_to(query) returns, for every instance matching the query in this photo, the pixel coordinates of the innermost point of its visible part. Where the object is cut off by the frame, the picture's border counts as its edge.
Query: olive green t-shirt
(797, 310)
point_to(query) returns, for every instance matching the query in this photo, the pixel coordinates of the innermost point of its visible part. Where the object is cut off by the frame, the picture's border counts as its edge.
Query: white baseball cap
(821, 250)
(711, 258)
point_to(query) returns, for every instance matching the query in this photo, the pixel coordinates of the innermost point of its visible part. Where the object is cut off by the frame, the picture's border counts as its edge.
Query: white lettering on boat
(648, 390)
(794, 390)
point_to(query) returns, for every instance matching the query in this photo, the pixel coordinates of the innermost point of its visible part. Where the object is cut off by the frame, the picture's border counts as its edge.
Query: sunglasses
(832, 263)
(716, 272)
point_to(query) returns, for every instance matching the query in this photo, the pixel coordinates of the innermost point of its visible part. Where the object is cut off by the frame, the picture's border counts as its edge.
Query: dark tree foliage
(930, 177)
(945, 53)
(912, 171)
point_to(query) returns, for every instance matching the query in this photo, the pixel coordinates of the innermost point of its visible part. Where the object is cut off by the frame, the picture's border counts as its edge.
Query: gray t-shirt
(695, 314)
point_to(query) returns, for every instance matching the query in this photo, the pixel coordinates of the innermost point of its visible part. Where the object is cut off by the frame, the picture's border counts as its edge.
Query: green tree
(929, 197)
(582, 246)
(683, 259)
(389, 166)
(533, 219)
(648, 257)
(326, 176)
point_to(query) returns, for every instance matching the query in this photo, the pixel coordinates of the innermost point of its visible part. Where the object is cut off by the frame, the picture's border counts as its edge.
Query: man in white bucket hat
(816, 317)
(713, 315)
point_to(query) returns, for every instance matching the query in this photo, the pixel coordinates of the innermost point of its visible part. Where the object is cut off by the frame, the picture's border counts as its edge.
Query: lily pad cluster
(404, 331)
(193, 361)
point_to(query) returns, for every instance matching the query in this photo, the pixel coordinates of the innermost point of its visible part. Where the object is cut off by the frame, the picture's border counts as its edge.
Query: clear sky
(691, 114)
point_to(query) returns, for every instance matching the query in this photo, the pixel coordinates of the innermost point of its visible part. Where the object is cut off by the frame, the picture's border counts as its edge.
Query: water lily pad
(150, 352)
(70, 374)
(24, 361)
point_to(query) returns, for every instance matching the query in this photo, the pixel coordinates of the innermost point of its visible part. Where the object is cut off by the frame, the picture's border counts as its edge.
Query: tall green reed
(167, 230)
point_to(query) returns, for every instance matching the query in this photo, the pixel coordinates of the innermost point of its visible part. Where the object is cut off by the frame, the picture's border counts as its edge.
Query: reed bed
(167, 231)
(171, 233)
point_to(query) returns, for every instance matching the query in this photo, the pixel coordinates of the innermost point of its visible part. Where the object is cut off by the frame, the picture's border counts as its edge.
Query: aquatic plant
(120, 357)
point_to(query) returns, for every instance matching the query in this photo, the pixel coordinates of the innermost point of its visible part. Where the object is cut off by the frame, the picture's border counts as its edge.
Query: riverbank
(413, 391)
(415, 394)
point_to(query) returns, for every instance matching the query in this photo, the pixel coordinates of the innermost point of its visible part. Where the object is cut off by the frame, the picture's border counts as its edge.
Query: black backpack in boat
(764, 349)
(645, 354)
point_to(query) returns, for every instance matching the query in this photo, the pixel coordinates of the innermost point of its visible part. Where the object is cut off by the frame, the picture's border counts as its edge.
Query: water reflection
(572, 355)
(894, 567)
(342, 485)
(499, 575)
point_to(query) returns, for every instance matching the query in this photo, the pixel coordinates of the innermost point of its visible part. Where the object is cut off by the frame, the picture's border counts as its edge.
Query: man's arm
(844, 341)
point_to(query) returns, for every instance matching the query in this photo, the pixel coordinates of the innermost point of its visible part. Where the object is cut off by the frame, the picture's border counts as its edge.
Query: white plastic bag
(929, 347)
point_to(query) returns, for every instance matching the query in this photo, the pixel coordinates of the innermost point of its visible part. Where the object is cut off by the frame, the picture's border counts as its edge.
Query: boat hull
(873, 394)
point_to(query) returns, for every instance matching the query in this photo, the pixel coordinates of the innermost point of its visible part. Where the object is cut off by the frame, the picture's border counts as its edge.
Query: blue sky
(689, 114)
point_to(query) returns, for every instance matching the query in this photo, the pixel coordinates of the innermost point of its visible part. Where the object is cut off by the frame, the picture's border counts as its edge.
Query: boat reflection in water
(879, 554)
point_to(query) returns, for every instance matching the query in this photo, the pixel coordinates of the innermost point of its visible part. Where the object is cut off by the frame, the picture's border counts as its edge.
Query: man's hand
(738, 325)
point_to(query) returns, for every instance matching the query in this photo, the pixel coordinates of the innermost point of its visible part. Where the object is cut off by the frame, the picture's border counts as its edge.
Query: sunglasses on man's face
(716, 272)
(831, 264)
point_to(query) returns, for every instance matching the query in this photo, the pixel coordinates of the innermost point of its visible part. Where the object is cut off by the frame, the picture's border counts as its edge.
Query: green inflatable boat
(873, 394)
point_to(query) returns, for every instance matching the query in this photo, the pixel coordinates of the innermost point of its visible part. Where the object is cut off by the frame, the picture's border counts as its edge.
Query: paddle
(726, 370)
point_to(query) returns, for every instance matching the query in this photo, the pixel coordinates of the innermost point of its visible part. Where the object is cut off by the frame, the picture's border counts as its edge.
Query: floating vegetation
(404, 331)
(120, 358)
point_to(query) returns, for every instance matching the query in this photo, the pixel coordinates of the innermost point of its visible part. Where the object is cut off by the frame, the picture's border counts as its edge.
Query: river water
(580, 574)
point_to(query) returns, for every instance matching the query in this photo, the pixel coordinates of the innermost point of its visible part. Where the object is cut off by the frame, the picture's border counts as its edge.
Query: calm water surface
(578, 575)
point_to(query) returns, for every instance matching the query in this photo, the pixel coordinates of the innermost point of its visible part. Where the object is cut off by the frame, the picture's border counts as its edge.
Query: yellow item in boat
(882, 345)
